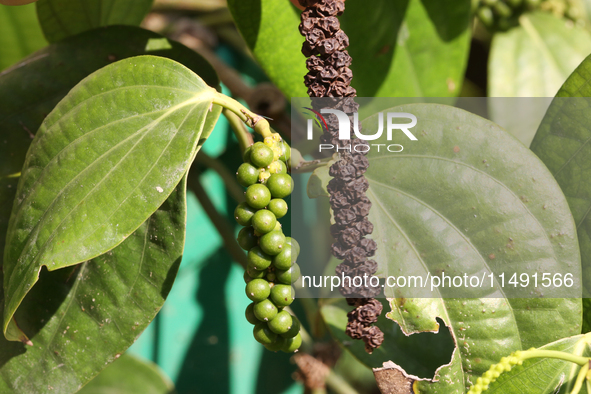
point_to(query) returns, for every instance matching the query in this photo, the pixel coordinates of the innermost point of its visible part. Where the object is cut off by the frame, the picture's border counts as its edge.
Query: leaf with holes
(64, 18)
(465, 198)
(102, 162)
(407, 38)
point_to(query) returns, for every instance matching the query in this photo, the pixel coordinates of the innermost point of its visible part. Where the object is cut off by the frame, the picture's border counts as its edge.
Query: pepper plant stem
(554, 354)
(257, 122)
(242, 135)
(580, 379)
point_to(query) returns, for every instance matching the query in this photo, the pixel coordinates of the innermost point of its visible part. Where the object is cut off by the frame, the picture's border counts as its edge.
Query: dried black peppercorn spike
(329, 76)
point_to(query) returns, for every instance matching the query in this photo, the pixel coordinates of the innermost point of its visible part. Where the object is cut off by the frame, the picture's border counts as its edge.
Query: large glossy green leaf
(31, 89)
(466, 198)
(103, 160)
(64, 18)
(82, 318)
(130, 375)
(535, 58)
(27, 93)
(20, 34)
(562, 142)
(393, 44)
(544, 375)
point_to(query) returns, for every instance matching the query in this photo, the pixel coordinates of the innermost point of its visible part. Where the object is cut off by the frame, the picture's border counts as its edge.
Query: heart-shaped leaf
(83, 317)
(562, 142)
(20, 34)
(388, 40)
(468, 197)
(27, 93)
(30, 90)
(102, 162)
(64, 18)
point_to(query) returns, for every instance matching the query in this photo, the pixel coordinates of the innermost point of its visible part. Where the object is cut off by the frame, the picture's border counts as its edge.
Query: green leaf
(29, 91)
(532, 60)
(535, 58)
(392, 55)
(562, 144)
(466, 198)
(82, 318)
(103, 161)
(64, 18)
(130, 375)
(20, 33)
(544, 375)
(316, 186)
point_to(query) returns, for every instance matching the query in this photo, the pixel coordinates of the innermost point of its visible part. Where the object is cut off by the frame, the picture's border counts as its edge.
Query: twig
(256, 122)
(309, 166)
(244, 137)
(339, 385)
(232, 186)
(221, 224)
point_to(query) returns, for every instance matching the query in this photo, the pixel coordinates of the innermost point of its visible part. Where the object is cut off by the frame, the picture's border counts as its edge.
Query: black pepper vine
(329, 76)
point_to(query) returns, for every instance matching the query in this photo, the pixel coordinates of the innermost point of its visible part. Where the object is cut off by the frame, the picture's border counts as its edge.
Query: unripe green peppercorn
(277, 345)
(247, 239)
(253, 273)
(282, 261)
(295, 246)
(265, 310)
(247, 174)
(263, 335)
(249, 313)
(292, 344)
(288, 276)
(294, 330)
(272, 243)
(246, 155)
(282, 323)
(261, 155)
(258, 196)
(257, 259)
(244, 213)
(285, 152)
(258, 290)
(280, 185)
(282, 295)
(263, 221)
(279, 207)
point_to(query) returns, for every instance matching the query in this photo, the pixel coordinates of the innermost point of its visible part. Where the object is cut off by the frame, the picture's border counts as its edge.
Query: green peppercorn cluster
(503, 14)
(270, 271)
